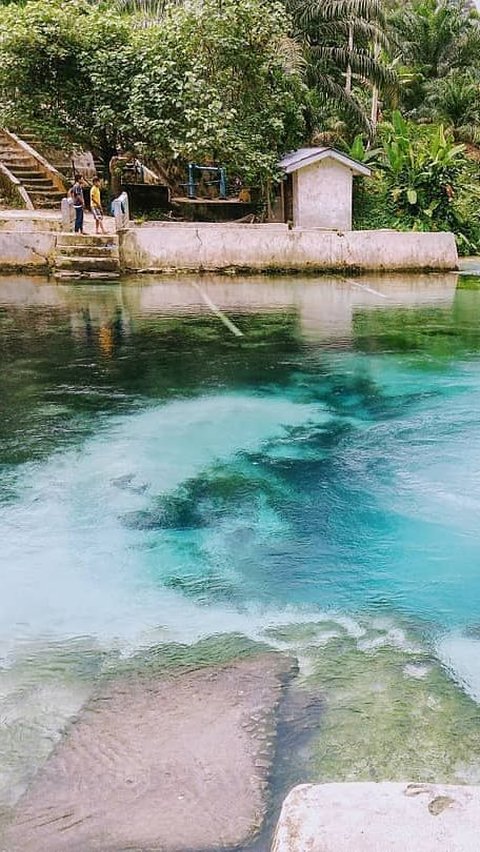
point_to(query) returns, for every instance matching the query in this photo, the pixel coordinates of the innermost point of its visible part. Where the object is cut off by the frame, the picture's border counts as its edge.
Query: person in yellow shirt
(96, 206)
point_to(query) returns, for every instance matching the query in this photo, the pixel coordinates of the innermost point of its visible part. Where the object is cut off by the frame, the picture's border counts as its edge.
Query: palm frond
(292, 54)
(363, 64)
(337, 10)
(333, 93)
(334, 32)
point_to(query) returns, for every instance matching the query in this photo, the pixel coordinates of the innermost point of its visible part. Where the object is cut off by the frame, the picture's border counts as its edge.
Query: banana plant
(361, 152)
(420, 167)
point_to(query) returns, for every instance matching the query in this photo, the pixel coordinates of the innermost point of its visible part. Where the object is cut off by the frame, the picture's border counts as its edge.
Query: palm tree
(345, 41)
(455, 101)
(433, 37)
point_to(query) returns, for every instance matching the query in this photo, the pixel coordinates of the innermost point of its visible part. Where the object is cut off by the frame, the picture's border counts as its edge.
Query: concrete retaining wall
(27, 250)
(216, 247)
(30, 220)
(198, 246)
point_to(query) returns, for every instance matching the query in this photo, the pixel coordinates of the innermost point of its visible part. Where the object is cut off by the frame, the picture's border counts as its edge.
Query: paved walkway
(53, 216)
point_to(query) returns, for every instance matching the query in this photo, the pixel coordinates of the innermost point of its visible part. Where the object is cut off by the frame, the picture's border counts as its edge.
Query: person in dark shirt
(76, 194)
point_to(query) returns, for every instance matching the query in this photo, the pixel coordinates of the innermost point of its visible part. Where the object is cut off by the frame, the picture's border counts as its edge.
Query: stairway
(34, 178)
(60, 158)
(82, 256)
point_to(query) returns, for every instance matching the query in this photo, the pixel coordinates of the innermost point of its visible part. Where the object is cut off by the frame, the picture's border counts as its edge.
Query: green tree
(424, 182)
(454, 100)
(433, 37)
(216, 84)
(67, 65)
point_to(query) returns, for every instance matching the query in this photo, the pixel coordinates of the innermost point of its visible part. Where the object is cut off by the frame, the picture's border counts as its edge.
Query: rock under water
(173, 763)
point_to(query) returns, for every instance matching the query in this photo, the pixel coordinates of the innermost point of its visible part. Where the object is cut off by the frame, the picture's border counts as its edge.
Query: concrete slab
(383, 817)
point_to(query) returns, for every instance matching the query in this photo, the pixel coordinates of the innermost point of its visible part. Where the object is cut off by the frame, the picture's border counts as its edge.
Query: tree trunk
(348, 78)
(374, 110)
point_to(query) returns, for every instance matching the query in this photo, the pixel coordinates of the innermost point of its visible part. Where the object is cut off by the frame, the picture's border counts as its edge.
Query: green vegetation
(396, 84)
(423, 181)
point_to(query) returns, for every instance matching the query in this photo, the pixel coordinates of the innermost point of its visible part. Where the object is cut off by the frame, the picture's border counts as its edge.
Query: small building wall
(322, 196)
(198, 246)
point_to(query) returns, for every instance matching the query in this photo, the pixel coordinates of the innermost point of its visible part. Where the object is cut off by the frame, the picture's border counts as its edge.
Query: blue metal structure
(193, 168)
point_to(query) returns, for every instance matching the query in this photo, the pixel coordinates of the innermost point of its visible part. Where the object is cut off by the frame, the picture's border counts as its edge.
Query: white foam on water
(461, 655)
(70, 566)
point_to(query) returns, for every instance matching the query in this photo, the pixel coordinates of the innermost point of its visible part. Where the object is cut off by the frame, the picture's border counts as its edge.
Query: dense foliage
(214, 85)
(423, 181)
(207, 81)
(240, 83)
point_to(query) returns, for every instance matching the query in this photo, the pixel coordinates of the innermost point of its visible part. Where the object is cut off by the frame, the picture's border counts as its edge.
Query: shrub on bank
(422, 181)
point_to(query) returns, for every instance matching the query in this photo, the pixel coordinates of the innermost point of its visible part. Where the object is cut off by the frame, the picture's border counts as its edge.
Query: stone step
(38, 183)
(21, 175)
(74, 250)
(50, 198)
(87, 264)
(64, 275)
(45, 203)
(28, 170)
(42, 192)
(20, 160)
(50, 190)
(11, 151)
(71, 239)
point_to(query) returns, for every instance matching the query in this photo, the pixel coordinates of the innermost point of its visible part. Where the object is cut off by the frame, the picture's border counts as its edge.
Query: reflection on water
(164, 479)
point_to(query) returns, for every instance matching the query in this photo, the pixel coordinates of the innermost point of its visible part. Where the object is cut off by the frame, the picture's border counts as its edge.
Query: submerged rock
(367, 817)
(174, 763)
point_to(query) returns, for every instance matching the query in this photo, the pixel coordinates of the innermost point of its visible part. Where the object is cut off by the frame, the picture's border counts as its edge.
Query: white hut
(317, 190)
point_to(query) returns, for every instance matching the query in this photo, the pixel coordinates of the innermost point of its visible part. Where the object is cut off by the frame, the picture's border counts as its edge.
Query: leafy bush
(424, 182)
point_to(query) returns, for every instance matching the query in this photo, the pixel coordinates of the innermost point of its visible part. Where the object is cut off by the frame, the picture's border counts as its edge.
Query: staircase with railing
(43, 186)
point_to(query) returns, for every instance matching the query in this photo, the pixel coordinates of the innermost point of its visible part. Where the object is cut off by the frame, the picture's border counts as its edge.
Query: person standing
(76, 194)
(96, 206)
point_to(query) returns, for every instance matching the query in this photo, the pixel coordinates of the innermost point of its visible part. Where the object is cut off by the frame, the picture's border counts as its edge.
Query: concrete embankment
(28, 250)
(221, 247)
(370, 817)
(28, 241)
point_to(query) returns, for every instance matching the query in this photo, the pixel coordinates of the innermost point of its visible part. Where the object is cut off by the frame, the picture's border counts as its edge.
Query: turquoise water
(163, 479)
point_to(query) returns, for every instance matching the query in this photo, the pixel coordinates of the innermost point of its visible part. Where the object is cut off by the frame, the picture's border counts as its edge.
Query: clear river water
(296, 461)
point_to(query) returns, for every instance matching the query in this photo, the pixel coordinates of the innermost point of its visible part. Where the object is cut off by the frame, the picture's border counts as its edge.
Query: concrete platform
(383, 817)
